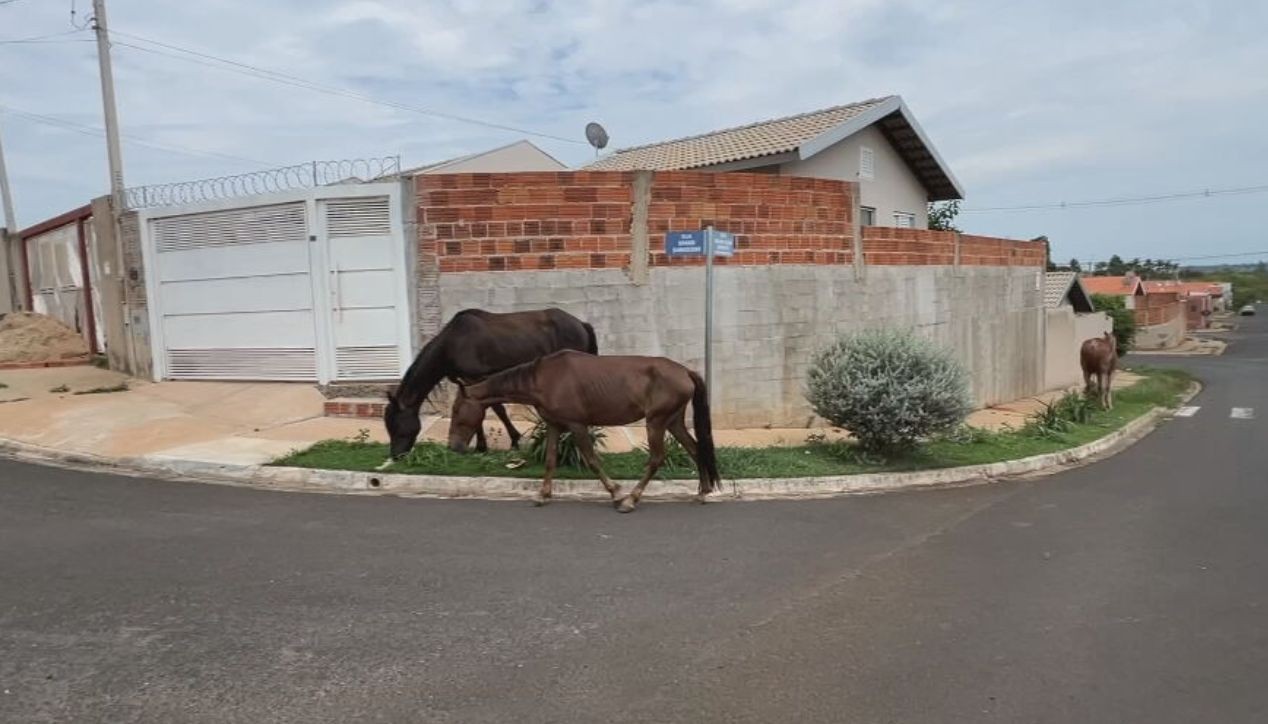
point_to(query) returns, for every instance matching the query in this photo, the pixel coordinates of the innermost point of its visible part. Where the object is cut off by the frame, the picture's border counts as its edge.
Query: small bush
(569, 454)
(890, 389)
(1061, 416)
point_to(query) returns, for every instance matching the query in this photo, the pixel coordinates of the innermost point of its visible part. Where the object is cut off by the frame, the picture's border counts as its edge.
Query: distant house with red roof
(1128, 285)
(1200, 299)
(1160, 313)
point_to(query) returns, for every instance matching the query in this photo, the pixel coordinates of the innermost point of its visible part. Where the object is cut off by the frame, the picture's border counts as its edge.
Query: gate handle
(338, 290)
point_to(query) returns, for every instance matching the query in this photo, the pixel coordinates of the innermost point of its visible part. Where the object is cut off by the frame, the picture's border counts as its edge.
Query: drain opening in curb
(375, 482)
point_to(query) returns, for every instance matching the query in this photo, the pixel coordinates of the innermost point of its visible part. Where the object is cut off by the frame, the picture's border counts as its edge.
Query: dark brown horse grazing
(1099, 357)
(573, 391)
(472, 346)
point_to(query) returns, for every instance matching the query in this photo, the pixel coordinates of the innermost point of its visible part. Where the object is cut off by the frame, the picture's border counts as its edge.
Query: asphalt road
(1134, 590)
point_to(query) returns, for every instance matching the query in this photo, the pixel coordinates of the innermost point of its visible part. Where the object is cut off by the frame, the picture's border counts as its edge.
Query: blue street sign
(723, 243)
(691, 243)
(684, 243)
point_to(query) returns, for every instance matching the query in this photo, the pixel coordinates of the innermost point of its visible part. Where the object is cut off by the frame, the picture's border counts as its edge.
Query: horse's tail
(704, 435)
(592, 341)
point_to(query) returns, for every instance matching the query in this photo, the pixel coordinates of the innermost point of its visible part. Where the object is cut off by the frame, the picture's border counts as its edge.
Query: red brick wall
(887, 245)
(583, 220)
(775, 219)
(511, 221)
(1157, 308)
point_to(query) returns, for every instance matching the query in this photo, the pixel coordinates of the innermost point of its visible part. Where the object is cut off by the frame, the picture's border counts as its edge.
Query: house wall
(592, 243)
(1198, 309)
(513, 158)
(1066, 332)
(1160, 320)
(894, 187)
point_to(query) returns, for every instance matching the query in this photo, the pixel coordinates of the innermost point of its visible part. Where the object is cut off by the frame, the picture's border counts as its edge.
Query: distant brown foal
(573, 391)
(1099, 357)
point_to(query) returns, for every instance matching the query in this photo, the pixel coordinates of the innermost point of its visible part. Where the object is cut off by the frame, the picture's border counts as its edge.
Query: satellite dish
(596, 136)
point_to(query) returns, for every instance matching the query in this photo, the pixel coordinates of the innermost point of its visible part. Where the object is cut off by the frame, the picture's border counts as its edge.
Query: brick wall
(583, 219)
(586, 219)
(592, 243)
(1157, 308)
(775, 219)
(888, 245)
(521, 221)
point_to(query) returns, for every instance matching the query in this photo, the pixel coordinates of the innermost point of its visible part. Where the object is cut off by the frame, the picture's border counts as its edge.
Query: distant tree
(1123, 318)
(1116, 266)
(942, 216)
(1074, 266)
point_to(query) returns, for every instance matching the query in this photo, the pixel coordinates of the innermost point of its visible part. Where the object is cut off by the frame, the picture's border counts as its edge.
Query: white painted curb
(496, 488)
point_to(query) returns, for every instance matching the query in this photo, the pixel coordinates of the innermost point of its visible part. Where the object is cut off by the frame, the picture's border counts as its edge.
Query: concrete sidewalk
(249, 423)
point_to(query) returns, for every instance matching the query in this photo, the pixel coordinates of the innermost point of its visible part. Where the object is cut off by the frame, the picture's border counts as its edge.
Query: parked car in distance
(1247, 311)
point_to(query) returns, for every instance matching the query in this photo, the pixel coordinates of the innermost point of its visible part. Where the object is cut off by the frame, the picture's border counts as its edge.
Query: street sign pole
(708, 311)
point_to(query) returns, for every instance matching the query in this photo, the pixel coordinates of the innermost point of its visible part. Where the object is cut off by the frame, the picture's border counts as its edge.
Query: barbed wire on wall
(285, 178)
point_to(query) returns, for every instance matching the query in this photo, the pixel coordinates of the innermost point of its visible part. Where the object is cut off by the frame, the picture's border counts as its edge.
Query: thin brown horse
(573, 391)
(1099, 357)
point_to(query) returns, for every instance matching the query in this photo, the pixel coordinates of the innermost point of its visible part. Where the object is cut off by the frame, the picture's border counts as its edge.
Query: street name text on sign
(692, 243)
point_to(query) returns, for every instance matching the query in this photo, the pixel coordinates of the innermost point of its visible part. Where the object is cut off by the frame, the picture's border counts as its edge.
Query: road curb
(497, 488)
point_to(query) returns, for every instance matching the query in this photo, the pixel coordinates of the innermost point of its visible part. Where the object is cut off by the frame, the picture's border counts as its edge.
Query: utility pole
(107, 101)
(8, 284)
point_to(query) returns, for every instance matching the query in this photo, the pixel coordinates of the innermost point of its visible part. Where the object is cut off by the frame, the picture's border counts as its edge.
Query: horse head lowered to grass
(472, 346)
(573, 391)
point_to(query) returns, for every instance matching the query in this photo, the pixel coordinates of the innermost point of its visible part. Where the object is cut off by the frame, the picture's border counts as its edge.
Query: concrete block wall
(770, 320)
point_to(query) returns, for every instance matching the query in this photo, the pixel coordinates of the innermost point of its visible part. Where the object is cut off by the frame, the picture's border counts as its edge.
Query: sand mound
(29, 337)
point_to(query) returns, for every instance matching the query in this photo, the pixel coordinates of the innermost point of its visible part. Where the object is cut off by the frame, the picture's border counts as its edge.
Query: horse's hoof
(539, 501)
(701, 499)
(626, 505)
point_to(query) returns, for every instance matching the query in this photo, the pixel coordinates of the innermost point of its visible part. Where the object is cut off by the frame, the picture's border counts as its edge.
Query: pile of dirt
(29, 337)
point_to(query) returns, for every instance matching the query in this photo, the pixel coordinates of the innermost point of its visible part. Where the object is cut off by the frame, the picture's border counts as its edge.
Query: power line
(1125, 200)
(253, 71)
(96, 131)
(39, 38)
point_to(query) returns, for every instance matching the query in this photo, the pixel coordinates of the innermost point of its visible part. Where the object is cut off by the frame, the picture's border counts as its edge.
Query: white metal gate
(305, 286)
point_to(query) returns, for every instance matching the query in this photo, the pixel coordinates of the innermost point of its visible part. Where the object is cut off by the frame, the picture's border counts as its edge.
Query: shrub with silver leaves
(889, 388)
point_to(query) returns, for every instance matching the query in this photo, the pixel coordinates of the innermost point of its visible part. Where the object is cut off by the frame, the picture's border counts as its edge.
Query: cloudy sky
(1030, 102)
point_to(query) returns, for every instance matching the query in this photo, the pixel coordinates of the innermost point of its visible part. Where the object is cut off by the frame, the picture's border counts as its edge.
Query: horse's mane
(424, 373)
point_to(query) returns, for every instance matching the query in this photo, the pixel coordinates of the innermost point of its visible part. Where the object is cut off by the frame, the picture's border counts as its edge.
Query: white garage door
(307, 290)
(236, 294)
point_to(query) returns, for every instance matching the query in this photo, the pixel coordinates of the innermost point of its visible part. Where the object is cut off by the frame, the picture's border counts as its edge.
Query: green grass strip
(1159, 388)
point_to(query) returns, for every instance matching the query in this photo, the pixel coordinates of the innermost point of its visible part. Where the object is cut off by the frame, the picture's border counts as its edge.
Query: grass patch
(1159, 388)
(59, 389)
(121, 387)
(3, 386)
